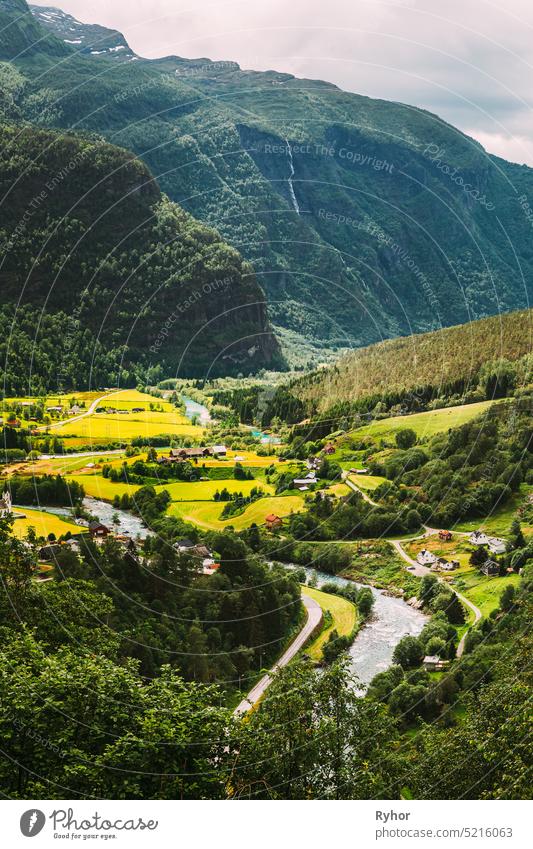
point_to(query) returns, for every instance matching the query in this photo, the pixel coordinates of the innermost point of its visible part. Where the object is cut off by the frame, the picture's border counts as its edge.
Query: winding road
(314, 616)
(419, 571)
(346, 479)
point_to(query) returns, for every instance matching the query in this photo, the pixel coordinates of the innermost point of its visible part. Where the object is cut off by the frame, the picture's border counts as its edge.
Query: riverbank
(340, 615)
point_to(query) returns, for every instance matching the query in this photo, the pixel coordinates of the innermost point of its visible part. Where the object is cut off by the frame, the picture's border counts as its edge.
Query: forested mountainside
(103, 279)
(423, 367)
(364, 219)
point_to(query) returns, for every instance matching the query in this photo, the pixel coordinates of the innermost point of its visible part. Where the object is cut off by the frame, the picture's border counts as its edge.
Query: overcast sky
(470, 61)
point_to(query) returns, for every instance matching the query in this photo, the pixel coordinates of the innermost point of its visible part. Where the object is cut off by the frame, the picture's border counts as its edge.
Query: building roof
(432, 658)
(93, 526)
(185, 543)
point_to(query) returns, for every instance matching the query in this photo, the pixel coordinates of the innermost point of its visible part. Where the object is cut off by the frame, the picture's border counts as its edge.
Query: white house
(478, 538)
(304, 483)
(497, 545)
(425, 557)
(5, 505)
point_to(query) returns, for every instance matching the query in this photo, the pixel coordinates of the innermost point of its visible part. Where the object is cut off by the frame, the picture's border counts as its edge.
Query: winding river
(195, 410)
(391, 619)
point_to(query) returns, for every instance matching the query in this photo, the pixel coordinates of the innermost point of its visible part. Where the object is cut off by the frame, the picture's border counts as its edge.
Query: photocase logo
(32, 822)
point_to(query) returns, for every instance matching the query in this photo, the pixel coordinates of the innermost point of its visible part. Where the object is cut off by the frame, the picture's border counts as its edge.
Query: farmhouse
(97, 529)
(304, 483)
(432, 663)
(178, 455)
(272, 521)
(184, 544)
(443, 565)
(49, 552)
(445, 535)
(329, 448)
(490, 568)
(478, 538)
(5, 505)
(497, 545)
(75, 410)
(426, 558)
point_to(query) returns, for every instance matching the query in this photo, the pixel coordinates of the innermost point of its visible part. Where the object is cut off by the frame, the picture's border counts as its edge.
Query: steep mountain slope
(412, 371)
(103, 278)
(363, 219)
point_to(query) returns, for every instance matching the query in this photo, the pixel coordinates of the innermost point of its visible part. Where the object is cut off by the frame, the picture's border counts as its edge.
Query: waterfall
(291, 175)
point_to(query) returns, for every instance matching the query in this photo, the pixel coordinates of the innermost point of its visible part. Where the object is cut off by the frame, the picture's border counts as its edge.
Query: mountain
(363, 219)
(104, 280)
(90, 39)
(413, 371)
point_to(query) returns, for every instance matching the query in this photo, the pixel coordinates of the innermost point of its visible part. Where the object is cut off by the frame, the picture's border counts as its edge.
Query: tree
(515, 536)
(365, 602)
(428, 587)
(408, 653)
(405, 438)
(313, 737)
(507, 598)
(478, 556)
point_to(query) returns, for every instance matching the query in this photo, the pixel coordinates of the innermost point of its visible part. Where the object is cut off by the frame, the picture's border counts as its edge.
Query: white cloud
(470, 61)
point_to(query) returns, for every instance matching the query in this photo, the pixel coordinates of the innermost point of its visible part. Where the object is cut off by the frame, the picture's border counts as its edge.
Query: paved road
(417, 569)
(89, 412)
(314, 615)
(355, 488)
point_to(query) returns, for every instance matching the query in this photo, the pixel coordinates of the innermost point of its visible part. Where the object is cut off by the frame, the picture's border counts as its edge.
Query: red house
(272, 521)
(96, 529)
(445, 535)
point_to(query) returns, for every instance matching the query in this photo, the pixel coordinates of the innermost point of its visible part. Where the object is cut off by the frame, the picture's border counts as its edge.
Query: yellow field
(250, 458)
(205, 490)
(44, 524)
(99, 427)
(63, 465)
(61, 400)
(343, 614)
(206, 514)
(99, 487)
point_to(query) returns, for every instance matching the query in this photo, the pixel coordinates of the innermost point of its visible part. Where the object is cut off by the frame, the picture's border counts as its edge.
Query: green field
(44, 524)
(343, 615)
(424, 424)
(369, 482)
(482, 591)
(206, 514)
(499, 521)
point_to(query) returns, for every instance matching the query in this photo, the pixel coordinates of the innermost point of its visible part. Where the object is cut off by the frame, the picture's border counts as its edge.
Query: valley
(266, 456)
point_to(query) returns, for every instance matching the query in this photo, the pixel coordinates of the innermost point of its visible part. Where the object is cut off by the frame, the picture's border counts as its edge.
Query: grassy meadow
(343, 618)
(424, 424)
(206, 514)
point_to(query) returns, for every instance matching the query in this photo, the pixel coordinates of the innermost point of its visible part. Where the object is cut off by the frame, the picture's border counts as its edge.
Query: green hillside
(415, 370)
(104, 279)
(364, 219)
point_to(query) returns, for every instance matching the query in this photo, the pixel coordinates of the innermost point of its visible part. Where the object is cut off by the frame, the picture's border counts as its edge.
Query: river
(195, 410)
(391, 619)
